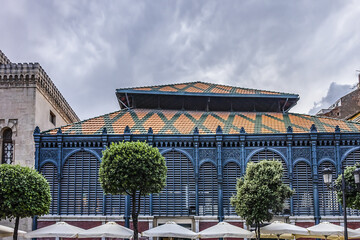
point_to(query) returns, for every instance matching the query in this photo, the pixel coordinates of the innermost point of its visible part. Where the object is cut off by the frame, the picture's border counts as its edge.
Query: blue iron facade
(202, 171)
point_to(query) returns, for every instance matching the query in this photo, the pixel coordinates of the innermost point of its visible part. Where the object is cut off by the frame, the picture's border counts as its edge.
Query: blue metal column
(59, 138)
(37, 156)
(196, 147)
(289, 138)
(127, 138)
(127, 211)
(338, 159)
(219, 137)
(37, 147)
(313, 137)
(242, 151)
(337, 150)
(150, 139)
(104, 140)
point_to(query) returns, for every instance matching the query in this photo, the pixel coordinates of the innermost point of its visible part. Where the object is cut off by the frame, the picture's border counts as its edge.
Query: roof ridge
(162, 85)
(209, 83)
(250, 88)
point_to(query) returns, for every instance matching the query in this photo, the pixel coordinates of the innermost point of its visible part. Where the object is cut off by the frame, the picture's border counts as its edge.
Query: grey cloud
(335, 92)
(90, 48)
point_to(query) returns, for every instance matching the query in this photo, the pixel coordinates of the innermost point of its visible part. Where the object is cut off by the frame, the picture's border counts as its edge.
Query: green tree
(23, 193)
(352, 193)
(135, 169)
(260, 193)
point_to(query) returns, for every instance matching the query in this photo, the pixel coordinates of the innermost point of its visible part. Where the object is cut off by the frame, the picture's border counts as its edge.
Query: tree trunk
(257, 230)
(134, 215)
(15, 235)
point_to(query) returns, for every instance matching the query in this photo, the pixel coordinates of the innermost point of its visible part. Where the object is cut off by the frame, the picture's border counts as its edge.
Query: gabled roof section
(204, 89)
(174, 122)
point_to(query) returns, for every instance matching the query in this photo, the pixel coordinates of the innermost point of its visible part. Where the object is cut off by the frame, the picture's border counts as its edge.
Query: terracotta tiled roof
(201, 88)
(184, 122)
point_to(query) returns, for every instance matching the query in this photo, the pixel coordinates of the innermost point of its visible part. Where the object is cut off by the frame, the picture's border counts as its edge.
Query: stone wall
(17, 106)
(42, 112)
(27, 95)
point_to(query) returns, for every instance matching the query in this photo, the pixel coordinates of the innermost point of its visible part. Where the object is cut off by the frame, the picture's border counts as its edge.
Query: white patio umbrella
(171, 230)
(357, 233)
(57, 230)
(328, 230)
(108, 230)
(280, 229)
(8, 231)
(225, 230)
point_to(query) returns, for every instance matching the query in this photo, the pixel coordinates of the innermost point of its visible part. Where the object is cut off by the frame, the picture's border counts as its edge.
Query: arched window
(328, 202)
(352, 159)
(7, 147)
(302, 184)
(178, 196)
(231, 173)
(81, 192)
(269, 155)
(208, 190)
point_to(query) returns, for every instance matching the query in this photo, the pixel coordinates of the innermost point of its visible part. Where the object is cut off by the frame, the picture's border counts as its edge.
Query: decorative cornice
(33, 75)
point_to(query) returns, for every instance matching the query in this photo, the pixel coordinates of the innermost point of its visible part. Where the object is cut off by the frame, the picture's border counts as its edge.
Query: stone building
(28, 98)
(207, 134)
(347, 107)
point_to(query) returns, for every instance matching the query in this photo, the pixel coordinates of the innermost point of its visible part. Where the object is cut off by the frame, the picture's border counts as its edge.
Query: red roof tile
(184, 122)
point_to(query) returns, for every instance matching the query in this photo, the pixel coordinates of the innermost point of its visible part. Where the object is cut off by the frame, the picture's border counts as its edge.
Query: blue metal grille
(328, 203)
(81, 192)
(231, 173)
(352, 159)
(144, 205)
(208, 190)
(48, 170)
(115, 204)
(269, 155)
(178, 196)
(302, 184)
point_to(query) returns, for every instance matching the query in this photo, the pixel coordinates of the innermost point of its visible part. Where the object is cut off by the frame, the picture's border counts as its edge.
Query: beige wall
(22, 109)
(42, 113)
(18, 104)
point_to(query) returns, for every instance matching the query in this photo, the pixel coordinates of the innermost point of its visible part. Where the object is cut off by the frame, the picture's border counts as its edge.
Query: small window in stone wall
(52, 118)
(7, 147)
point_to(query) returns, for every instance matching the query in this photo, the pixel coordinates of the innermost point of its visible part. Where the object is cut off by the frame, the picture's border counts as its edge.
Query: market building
(207, 134)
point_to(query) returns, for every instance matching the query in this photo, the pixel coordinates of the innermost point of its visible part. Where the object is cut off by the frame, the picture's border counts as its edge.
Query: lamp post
(327, 174)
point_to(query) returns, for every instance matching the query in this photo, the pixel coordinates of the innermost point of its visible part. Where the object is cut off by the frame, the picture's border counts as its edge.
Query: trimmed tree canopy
(23, 193)
(135, 169)
(131, 167)
(260, 193)
(352, 193)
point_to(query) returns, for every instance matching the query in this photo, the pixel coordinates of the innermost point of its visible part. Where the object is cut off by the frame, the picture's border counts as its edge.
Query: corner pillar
(219, 138)
(313, 137)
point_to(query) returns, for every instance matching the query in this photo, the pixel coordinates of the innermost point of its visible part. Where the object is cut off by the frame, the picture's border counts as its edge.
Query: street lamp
(327, 175)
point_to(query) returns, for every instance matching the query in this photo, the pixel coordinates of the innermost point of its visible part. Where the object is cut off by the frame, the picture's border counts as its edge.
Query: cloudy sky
(91, 48)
